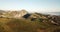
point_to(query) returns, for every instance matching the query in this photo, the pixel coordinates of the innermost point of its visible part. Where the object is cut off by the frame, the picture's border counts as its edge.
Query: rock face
(14, 14)
(20, 13)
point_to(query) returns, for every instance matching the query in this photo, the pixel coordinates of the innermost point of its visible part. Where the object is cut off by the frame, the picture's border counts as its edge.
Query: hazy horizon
(31, 5)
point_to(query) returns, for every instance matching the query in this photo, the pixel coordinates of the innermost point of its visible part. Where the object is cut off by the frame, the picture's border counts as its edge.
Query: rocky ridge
(33, 16)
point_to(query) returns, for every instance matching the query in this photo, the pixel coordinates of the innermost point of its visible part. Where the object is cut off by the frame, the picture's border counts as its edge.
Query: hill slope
(35, 22)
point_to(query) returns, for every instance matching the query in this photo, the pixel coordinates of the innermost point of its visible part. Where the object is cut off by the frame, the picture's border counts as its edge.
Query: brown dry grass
(22, 25)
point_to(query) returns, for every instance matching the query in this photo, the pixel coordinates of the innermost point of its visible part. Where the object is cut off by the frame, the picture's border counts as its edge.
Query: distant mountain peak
(23, 10)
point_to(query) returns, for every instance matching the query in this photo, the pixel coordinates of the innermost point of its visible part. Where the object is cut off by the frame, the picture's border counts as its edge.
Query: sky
(31, 5)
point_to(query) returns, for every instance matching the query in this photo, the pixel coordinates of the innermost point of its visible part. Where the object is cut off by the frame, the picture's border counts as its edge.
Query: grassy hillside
(34, 22)
(25, 25)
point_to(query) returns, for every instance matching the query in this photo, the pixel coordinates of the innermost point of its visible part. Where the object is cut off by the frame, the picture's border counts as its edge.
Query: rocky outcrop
(14, 14)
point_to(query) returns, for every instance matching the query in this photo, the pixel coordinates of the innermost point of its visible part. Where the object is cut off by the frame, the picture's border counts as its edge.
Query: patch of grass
(24, 25)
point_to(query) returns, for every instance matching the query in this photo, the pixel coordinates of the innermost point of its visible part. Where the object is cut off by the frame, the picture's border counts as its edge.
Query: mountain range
(23, 21)
(24, 14)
